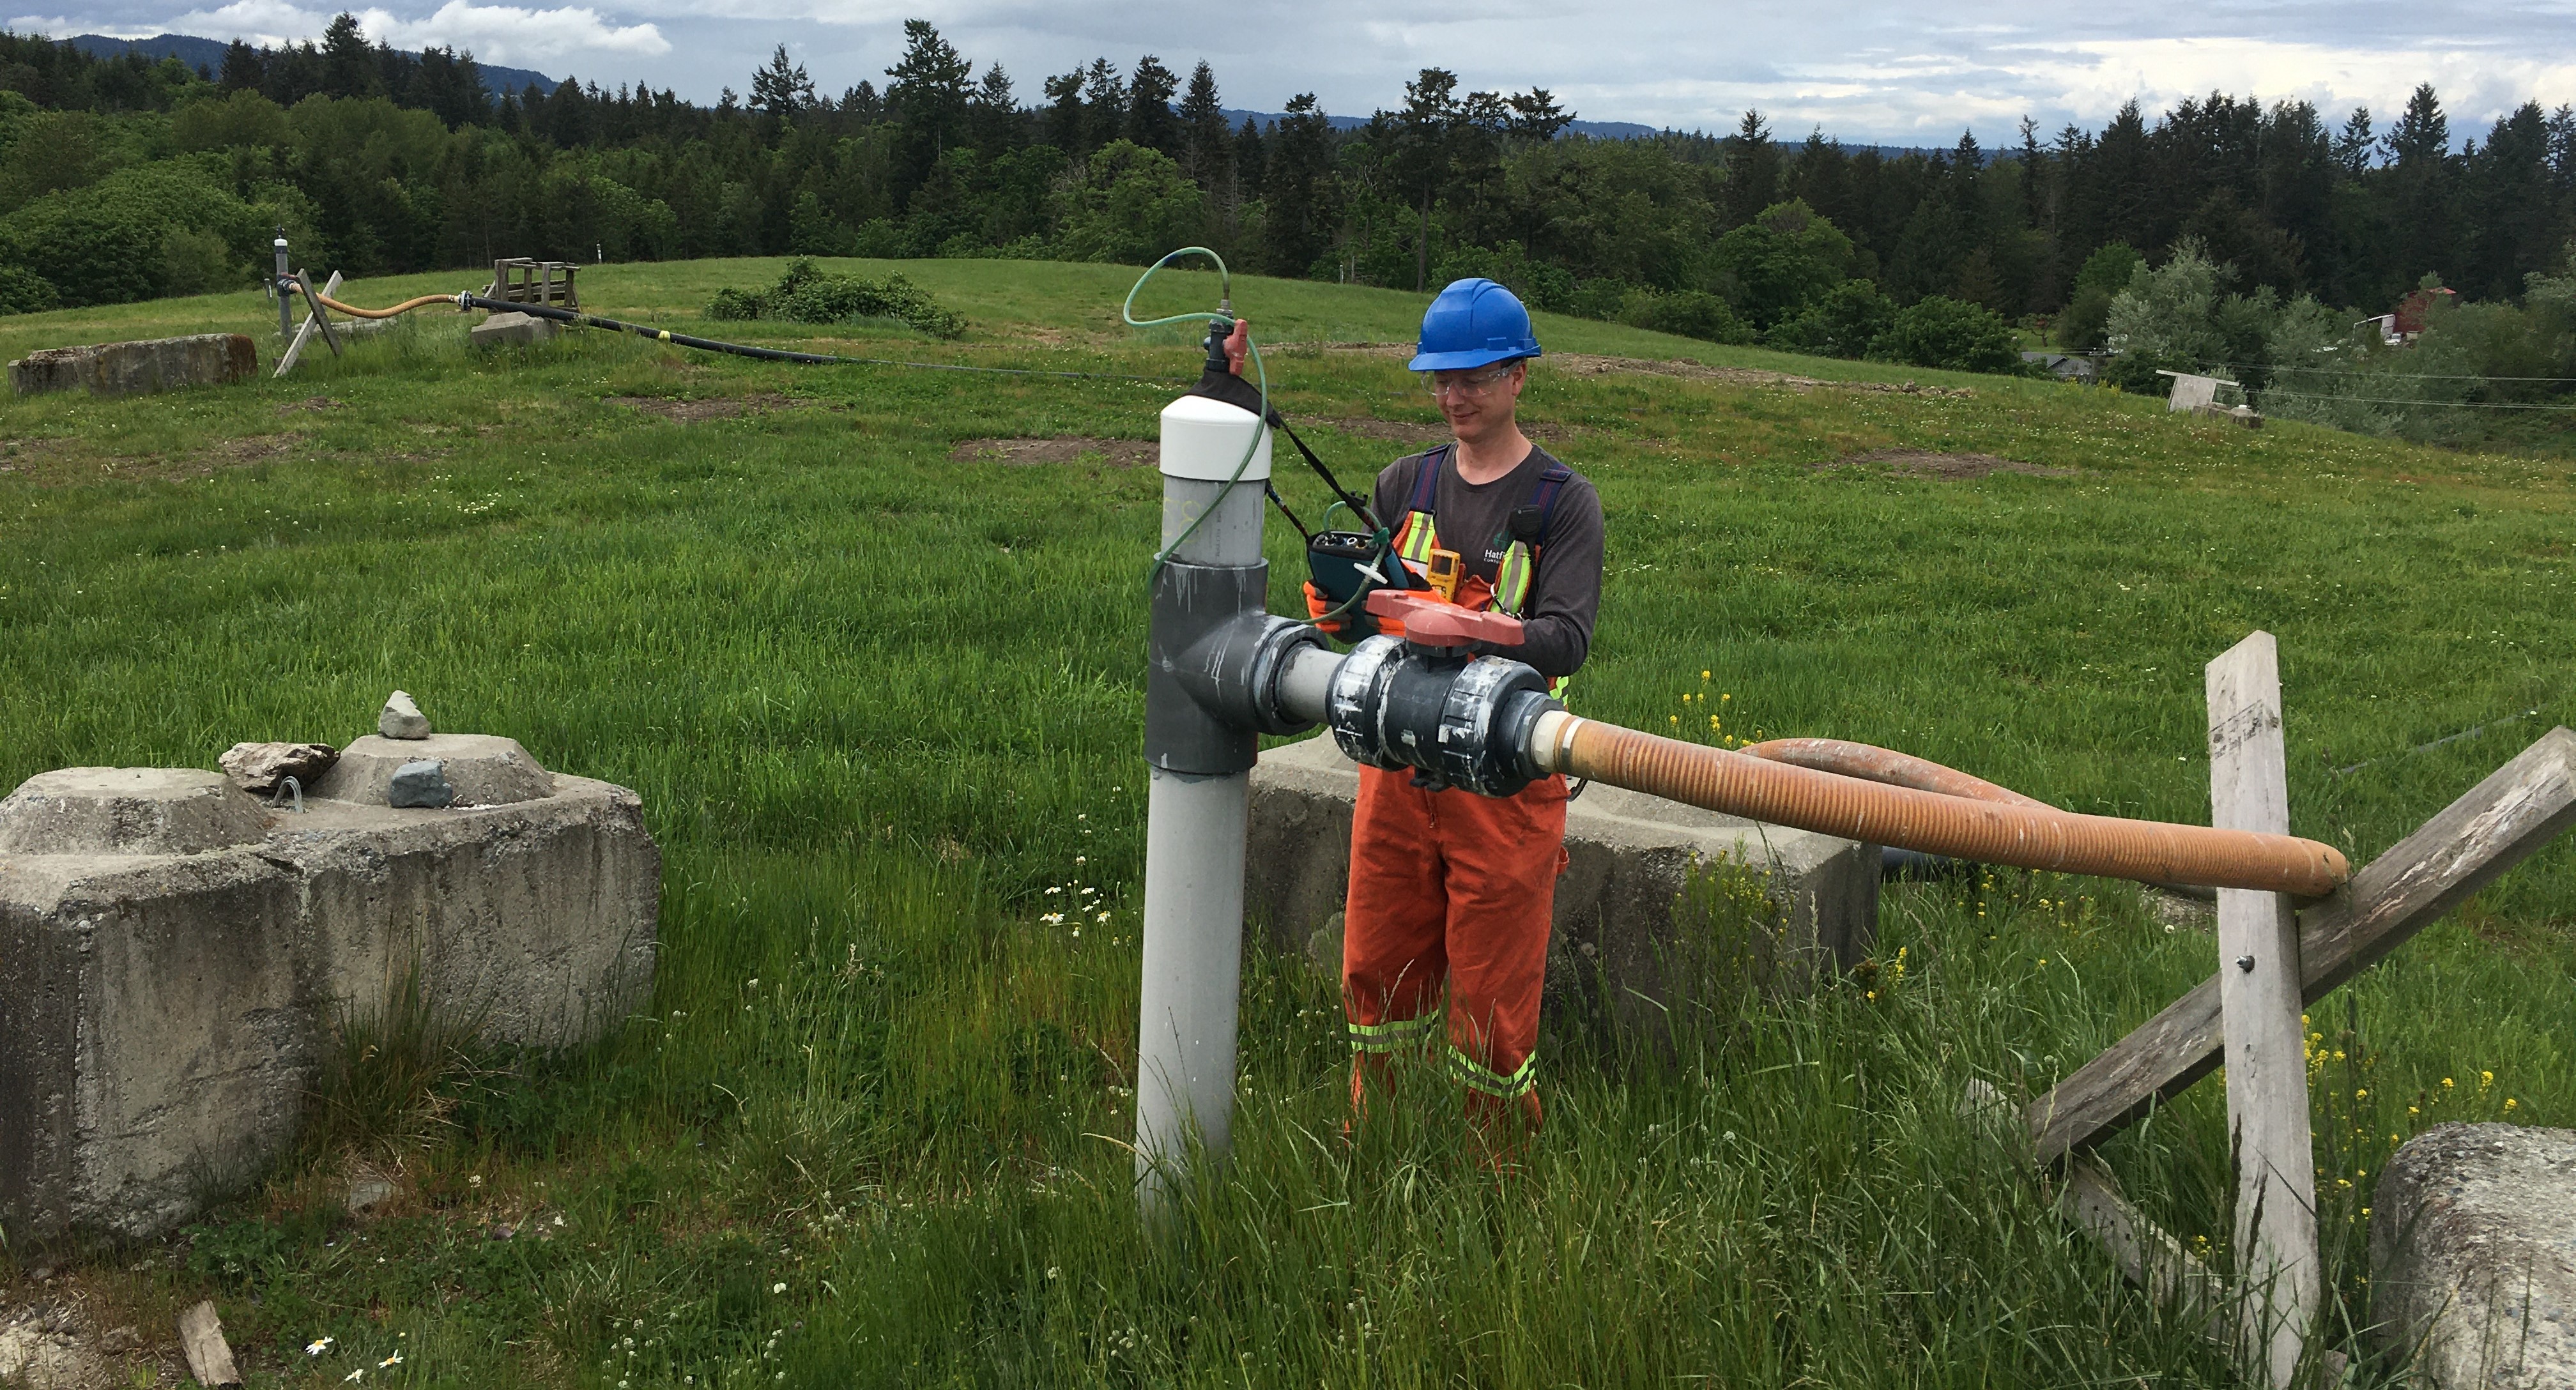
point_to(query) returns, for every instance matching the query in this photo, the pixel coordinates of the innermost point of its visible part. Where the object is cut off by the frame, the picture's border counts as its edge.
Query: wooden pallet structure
(315, 319)
(518, 280)
(2277, 956)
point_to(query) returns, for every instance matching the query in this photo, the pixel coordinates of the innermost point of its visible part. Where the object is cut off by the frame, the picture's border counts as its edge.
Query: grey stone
(1659, 903)
(401, 718)
(2473, 1257)
(511, 329)
(421, 783)
(259, 768)
(161, 1012)
(128, 810)
(368, 1189)
(483, 769)
(126, 369)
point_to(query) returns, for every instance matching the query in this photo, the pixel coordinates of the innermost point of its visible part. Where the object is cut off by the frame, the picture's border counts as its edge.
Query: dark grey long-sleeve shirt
(1476, 521)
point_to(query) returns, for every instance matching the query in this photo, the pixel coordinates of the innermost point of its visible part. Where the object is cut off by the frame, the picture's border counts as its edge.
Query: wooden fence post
(2258, 992)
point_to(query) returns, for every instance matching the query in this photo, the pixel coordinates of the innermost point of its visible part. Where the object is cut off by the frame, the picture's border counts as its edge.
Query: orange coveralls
(1448, 887)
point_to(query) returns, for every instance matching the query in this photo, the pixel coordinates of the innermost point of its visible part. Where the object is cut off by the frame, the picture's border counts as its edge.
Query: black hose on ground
(762, 354)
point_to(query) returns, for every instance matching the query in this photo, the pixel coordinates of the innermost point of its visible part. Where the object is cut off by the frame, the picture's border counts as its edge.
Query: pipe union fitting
(1459, 721)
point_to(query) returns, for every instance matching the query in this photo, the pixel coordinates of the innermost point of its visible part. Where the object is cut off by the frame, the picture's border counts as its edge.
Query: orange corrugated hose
(405, 307)
(1933, 809)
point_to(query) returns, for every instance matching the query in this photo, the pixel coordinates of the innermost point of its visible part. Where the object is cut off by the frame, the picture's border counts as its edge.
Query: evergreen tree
(1205, 141)
(993, 115)
(927, 95)
(782, 88)
(1149, 107)
(1297, 189)
(243, 70)
(1752, 171)
(1065, 123)
(349, 63)
(1104, 104)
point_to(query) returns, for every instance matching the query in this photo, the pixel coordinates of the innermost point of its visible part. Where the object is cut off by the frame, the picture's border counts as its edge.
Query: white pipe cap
(1203, 440)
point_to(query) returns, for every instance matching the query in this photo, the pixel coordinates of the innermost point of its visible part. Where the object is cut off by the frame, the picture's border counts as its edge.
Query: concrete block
(512, 329)
(2473, 1257)
(163, 995)
(1659, 903)
(482, 770)
(127, 369)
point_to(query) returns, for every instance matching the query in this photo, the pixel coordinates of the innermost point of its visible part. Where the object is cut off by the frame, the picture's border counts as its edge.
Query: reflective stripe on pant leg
(1501, 860)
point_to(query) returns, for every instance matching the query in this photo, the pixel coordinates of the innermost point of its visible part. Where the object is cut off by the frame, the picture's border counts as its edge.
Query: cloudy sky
(1901, 71)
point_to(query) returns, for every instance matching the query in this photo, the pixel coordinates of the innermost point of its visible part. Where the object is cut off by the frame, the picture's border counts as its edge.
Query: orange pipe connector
(1930, 808)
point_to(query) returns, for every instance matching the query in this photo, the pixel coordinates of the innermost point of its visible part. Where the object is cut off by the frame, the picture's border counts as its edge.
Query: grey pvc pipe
(1195, 829)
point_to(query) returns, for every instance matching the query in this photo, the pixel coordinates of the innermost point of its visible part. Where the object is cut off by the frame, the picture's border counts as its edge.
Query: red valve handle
(1432, 623)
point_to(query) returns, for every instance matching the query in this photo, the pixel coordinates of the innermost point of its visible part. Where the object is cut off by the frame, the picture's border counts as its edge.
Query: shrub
(1130, 206)
(808, 294)
(1844, 322)
(23, 291)
(1538, 284)
(1690, 313)
(1783, 260)
(105, 244)
(1938, 331)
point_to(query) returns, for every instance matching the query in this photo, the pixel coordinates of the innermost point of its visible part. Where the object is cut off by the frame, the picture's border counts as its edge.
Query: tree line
(122, 177)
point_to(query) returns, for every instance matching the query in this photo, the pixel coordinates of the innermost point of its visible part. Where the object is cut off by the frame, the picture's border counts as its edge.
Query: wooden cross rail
(2475, 839)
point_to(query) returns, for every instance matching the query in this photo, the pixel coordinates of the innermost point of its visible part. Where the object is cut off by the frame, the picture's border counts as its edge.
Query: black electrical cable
(762, 354)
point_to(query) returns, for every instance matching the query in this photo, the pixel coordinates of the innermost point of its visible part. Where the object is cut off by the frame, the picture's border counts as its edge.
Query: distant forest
(124, 177)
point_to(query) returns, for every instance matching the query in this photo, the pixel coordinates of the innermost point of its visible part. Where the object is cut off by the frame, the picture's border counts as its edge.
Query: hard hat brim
(1461, 361)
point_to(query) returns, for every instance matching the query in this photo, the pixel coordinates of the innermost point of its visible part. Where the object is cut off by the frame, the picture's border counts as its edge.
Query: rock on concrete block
(509, 329)
(163, 986)
(1659, 901)
(401, 717)
(126, 369)
(259, 767)
(420, 784)
(2473, 1257)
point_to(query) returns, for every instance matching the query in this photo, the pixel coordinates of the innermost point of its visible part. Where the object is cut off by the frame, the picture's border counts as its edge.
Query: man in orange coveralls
(1449, 887)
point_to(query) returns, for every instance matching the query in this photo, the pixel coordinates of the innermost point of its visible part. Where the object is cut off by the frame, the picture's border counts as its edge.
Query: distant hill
(209, 54)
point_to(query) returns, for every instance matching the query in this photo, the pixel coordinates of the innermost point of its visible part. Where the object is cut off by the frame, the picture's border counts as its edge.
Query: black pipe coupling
(1457, 720)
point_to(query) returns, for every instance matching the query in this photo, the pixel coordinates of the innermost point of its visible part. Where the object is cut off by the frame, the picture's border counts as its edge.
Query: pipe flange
(1233, 671)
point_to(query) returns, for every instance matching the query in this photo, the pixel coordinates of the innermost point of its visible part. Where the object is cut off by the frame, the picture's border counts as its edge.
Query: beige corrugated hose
(1933, 809)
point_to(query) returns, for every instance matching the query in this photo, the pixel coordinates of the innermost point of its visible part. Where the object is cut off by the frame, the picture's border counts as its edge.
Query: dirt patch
(309, 403)
(1924, 463)
(706, 407)
(1062, 448)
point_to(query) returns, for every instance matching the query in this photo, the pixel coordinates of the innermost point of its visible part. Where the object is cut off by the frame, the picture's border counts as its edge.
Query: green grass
(880, 702)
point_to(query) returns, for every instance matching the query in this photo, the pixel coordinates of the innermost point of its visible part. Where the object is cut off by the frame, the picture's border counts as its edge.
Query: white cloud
(495, 33)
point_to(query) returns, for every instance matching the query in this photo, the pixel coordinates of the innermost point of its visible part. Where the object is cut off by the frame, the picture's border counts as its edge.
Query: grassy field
(882, 700)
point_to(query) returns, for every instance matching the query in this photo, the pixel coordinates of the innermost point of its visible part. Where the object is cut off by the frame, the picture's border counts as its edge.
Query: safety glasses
(1472, 385)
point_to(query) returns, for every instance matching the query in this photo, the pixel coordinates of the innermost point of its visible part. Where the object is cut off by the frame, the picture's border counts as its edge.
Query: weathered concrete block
(1651, 906)
(483, 770)
(162, 997)
(126, 369)
(2473, 1257)
(510, 329)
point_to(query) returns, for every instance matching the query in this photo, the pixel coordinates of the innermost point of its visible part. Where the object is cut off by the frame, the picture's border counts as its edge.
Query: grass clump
(391, 1077)
(808, 294)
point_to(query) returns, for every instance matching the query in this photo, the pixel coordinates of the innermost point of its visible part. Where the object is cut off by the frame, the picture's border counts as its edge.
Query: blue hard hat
(1474, 323)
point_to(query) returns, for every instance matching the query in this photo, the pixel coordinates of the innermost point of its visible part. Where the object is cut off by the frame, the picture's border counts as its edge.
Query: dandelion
(2510, 1103)
(318, 1346)
(1703, 675)
(1675, 718)
(2361, 1095)
(2485, 1079)
(2446, 1083)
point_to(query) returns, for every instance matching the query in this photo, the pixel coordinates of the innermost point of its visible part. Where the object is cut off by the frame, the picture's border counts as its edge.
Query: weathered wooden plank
(294, 350)
(2258, 1002)
(201, 1340)
(2146, 1255)
(2497, 825)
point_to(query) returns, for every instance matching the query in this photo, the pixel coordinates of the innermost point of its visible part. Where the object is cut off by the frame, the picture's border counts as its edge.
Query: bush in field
(1690, 313)
(807, 294)
(1844, 322)
(24, 291)
(1938, 331)
(2087, 319)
